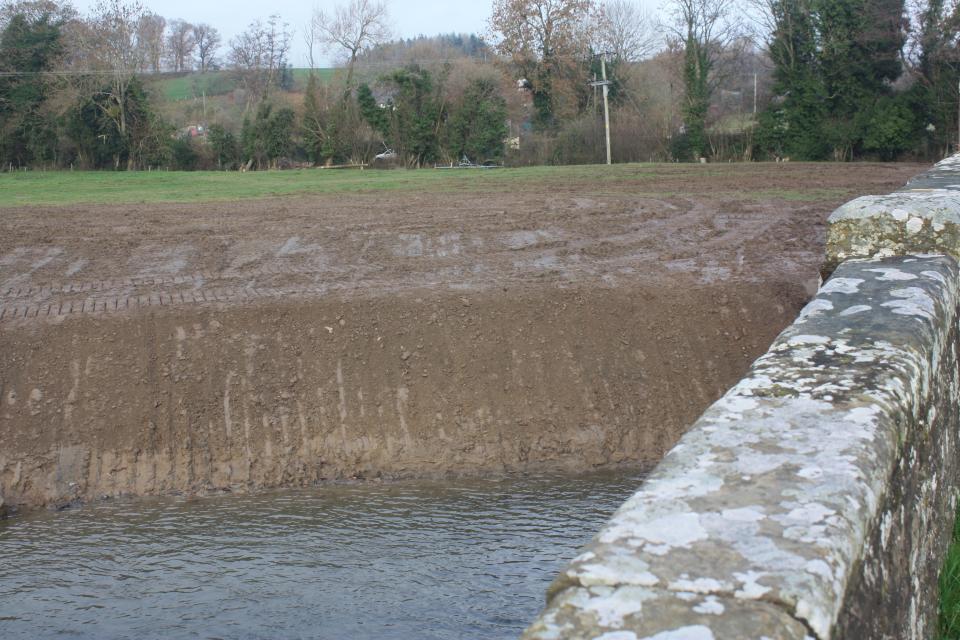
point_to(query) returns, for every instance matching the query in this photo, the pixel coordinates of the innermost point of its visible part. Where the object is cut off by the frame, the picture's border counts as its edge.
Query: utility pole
(606, 104)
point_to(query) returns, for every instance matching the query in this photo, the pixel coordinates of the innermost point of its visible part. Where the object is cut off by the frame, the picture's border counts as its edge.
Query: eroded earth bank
(233, 346)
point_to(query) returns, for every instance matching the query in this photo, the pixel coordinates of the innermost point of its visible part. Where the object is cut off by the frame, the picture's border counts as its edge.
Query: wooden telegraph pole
(606, 104)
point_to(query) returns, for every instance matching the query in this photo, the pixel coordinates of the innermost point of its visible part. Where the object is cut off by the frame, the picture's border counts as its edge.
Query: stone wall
(816, 499)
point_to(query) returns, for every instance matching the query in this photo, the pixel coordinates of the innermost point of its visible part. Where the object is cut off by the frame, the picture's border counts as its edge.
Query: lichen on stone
(773, 494)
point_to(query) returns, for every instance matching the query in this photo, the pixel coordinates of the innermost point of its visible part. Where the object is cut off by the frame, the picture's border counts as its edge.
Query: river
(457, 559)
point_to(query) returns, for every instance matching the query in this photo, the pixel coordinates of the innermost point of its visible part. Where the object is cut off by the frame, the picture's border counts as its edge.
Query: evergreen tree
(147, 138)
(934, 97)
(478, 125)
(101, 144)
(375, 116)
(834, 65)
(696, 74)
(705, 27)
(268, 137)
(253, 137)
(183, 154)
(96, 141)
(889, 128)
(413, 115)
(279, 134)
(793, 126)
(224, 146)
(29, 46)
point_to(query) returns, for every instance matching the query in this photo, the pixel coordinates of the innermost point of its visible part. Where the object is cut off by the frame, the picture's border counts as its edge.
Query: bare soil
(232, 346)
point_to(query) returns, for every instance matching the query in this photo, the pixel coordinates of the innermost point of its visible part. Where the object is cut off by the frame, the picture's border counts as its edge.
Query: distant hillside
(175, 87)
(187, 99)
(427, 48)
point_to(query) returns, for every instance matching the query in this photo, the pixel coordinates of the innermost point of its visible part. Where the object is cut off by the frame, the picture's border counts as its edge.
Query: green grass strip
(949, 626)
(59, 188)
(62, 188)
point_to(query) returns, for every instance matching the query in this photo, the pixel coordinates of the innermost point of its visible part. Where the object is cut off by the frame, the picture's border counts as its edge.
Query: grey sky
(410, 17)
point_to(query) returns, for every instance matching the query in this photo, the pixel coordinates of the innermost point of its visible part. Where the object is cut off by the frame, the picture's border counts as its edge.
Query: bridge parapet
(817, 497)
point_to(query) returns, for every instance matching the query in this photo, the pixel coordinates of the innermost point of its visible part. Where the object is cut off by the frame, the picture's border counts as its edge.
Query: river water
(461, 559)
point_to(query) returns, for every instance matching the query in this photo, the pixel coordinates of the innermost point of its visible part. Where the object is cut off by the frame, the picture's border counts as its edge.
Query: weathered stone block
(924, 217)
(632, 612)
(897, 224)
(944, 175)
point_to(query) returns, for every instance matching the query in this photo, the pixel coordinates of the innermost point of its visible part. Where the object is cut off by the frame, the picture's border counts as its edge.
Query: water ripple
(428, 560)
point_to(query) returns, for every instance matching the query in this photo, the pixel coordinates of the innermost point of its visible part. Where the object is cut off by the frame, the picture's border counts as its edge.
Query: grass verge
(949, 625)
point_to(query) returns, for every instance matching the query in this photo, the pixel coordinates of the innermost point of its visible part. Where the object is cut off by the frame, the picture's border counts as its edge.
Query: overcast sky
(410, 17)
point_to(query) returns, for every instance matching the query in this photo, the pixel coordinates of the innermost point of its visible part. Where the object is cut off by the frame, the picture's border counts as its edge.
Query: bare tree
(150, 37)
(113, 50)
(627, 31)
(259, 55)
(207, 41)
(546, 43)
(311, 39)
(706, 28)
(180, 45)
(354, 27)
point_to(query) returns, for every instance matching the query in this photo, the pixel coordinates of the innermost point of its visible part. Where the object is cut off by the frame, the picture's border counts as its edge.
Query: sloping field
(394, 324)
(173, 87)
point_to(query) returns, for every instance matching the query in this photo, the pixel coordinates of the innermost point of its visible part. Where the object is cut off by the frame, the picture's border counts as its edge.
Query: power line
(360, 65)
(15, 74)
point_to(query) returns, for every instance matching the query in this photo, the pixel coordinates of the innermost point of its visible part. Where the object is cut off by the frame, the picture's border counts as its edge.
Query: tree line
(719, 79)
(856, 78)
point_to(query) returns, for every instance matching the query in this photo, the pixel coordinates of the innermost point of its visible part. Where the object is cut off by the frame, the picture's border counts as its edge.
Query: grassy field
(61, 188)
(65, 188)
(300, 77)
(173, 88)
(950, 589)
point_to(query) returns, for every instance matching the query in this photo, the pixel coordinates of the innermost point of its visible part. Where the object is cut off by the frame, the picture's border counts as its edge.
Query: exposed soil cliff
(244, 345)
